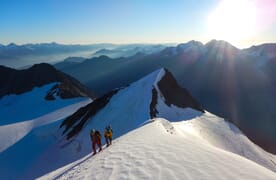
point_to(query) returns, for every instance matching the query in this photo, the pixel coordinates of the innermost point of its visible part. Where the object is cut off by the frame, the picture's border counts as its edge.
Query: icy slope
(11, 133)
(22, 144)
(30, 105)
(163, 150)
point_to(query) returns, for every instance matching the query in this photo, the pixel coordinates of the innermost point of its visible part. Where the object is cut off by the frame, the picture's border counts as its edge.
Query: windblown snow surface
(165, 150)
(187, 144)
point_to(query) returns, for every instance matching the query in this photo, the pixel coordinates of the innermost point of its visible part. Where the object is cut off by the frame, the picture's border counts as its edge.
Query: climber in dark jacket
(96, 139)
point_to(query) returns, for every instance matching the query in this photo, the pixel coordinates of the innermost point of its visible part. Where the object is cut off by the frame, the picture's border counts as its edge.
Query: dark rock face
(20, 81)
(153, 110)
(173, 95)
(176, 95)
(76, 121)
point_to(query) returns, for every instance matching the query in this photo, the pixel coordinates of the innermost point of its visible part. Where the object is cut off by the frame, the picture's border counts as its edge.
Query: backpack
(95, 136)
(98, 134)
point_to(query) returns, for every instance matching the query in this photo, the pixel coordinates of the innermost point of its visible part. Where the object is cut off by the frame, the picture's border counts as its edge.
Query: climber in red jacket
(96, 139)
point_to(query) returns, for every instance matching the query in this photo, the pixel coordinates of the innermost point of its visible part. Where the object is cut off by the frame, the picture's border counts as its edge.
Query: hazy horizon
(138, 43)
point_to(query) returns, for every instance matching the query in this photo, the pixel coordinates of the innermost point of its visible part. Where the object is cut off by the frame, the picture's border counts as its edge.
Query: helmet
(108, 127)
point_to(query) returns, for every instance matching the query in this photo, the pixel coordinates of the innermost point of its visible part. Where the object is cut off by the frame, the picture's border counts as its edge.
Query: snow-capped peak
(149, 97)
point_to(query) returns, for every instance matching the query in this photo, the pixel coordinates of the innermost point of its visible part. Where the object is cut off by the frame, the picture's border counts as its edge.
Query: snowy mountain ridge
(134, 105)
(179, 146)
(127, 109)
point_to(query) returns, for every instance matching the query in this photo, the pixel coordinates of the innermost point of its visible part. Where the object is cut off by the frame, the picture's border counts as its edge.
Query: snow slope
(226, 136)
(163, 150)
(30, 105)
(22, 143)
(11, 133)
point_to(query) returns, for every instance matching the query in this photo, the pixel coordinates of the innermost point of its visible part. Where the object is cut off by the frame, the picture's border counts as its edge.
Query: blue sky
(114, 21)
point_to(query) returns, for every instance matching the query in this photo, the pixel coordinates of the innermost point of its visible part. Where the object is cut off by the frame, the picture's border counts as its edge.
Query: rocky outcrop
(74, 123)
(20, 81)
(176, 95)
(172, 94)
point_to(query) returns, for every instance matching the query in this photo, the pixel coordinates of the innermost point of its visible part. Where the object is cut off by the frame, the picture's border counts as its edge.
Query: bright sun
(233, 21)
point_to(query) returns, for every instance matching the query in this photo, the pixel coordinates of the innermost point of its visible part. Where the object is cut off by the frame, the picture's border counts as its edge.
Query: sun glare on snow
(233, 21)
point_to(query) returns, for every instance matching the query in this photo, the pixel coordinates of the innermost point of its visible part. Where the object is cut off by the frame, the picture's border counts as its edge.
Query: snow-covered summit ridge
(142, 100)
(165, 150)
(158, 95)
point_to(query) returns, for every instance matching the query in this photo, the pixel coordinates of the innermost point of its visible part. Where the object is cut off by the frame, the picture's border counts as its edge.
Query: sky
(240, 22)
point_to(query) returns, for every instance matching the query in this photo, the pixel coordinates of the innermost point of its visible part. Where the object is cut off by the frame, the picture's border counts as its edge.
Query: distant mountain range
(18, 56)
(233, 83)
(129, 50)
